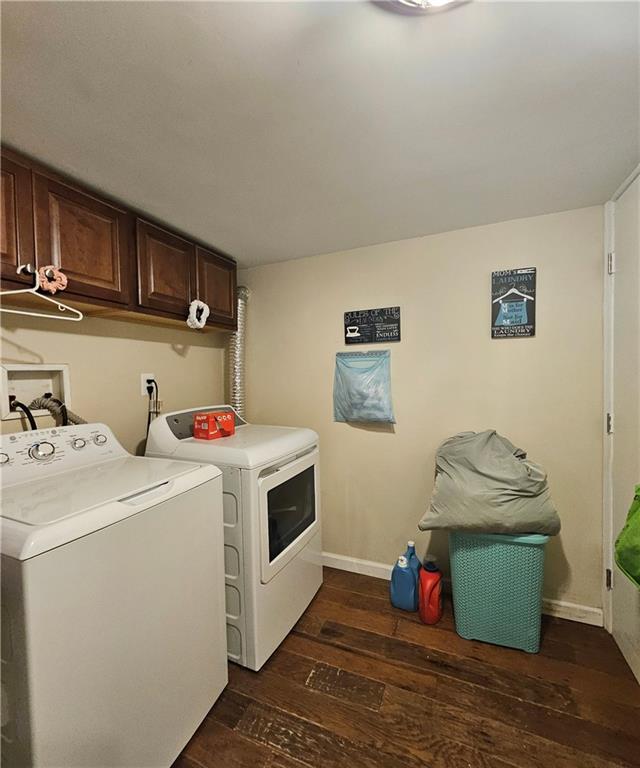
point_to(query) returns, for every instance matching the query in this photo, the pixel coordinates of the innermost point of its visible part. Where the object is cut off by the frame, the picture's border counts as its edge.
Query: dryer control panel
(43, 452)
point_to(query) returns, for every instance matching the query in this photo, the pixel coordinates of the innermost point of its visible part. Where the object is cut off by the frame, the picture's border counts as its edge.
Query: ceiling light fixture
(426, 4)
(419, 6)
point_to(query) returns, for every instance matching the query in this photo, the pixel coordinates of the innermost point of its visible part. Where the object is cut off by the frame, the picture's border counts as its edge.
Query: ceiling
(281, 130)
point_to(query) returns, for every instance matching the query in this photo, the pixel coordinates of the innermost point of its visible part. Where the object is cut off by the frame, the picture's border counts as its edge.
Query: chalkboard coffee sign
(371, 326)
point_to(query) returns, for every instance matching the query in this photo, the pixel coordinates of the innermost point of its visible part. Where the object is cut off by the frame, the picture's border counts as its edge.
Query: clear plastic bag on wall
(362, 387)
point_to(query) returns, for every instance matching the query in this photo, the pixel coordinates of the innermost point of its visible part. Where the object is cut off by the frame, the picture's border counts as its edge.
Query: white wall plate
(28, 381)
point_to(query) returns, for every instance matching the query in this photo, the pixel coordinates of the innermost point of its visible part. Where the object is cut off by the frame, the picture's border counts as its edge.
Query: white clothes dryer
(113, 620)
(272, 523)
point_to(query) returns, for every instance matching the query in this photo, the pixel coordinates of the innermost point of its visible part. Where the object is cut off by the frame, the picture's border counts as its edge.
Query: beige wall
(544, 393)
(106, 358)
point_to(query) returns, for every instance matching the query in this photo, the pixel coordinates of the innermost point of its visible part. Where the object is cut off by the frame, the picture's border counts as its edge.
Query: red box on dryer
(213, 424)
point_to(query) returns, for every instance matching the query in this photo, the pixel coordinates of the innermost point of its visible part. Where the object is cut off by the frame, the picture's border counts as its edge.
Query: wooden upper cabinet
(89, 239)
(216, 285)
(166, 270)
(16, 223)
(111, 255)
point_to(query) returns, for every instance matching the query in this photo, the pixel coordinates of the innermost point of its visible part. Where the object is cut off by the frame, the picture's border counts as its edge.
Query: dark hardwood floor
(360, 684)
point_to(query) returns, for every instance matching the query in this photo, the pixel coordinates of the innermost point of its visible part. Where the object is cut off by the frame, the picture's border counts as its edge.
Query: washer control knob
(4, 458)
(100, 439)
(42, 451)
(78, 443)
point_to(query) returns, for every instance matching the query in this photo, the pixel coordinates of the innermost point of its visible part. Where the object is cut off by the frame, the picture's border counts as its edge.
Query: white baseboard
(355, 565)
(573, 611)
(560, 608)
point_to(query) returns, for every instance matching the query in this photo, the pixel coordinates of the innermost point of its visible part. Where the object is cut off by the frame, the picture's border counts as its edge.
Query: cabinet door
(166, 269)
(16, 224)
(90, 240)
(217, 286)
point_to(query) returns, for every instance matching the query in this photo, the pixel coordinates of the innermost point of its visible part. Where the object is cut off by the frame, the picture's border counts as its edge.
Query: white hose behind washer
(54, 406)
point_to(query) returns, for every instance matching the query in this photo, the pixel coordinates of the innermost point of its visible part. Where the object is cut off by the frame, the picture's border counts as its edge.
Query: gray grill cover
(487, 485)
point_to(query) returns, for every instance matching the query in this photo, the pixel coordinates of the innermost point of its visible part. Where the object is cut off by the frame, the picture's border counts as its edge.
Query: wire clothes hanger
(511, 292)
(74, 314)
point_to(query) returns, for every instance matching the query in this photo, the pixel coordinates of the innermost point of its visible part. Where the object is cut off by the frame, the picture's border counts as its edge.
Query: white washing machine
(113, 620)
(272, 533)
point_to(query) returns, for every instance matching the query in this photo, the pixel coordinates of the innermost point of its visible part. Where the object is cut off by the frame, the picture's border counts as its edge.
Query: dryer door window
(291, 510)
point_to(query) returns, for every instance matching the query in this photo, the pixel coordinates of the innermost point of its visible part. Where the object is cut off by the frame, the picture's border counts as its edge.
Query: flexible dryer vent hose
(236, 355)
(56, 408)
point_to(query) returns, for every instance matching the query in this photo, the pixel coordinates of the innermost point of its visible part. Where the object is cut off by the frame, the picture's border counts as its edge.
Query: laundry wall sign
(513, 303)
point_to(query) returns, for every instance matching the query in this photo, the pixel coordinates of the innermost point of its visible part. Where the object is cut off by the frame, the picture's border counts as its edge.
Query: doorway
(622, 600)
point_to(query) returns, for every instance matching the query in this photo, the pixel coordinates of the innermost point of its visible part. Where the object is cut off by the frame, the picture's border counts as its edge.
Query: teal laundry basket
(497, 587)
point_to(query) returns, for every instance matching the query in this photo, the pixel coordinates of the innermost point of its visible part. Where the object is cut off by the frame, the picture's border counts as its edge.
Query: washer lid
(49, 512)
(252, 445)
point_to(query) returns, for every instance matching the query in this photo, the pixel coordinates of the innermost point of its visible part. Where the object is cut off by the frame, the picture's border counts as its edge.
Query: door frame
(608, 305)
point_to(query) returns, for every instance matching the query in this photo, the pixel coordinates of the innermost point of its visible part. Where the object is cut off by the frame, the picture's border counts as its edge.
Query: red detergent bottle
(430, 594)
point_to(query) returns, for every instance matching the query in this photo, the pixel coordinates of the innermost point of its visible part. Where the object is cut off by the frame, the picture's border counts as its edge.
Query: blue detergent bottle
(413, 560)
(404, 588)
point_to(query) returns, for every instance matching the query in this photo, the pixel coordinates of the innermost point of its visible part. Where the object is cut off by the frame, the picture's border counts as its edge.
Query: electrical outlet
(143, 383)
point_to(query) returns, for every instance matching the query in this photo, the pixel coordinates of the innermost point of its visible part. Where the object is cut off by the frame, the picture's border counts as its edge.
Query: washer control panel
(40, 452)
